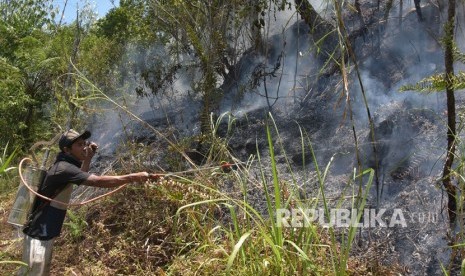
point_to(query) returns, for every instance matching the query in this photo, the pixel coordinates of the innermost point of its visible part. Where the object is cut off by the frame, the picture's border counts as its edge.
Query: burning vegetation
(246, 110)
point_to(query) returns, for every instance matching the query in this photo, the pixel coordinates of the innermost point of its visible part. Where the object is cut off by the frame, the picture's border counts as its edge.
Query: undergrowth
(219, 220)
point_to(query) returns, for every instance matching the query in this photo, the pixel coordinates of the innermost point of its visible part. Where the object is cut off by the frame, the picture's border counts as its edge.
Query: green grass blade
(14, 262)
(237, 247)
(199, 203)
(277, 188)
(6, 163)
(462, 268)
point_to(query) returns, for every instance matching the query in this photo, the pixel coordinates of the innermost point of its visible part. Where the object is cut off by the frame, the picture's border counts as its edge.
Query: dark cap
(70, 136)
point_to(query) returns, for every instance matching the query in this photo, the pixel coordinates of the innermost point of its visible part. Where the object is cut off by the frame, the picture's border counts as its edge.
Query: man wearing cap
(46, 220)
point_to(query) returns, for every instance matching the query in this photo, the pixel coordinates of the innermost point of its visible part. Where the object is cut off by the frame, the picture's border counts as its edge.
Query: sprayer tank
(25, 198)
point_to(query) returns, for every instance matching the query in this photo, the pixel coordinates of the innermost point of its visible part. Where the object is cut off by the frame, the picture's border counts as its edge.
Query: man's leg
(37, 255)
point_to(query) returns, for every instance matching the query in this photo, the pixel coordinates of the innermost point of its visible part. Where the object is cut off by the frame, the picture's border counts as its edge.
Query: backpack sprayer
(34, 176)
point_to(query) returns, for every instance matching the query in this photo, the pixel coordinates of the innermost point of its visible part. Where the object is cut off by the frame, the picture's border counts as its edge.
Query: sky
(101, 7)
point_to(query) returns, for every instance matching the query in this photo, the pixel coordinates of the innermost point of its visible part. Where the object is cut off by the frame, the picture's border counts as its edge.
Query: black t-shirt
(47, 217)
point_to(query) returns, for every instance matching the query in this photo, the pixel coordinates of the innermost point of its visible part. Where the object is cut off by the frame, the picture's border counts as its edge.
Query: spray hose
(58, 201)
(225, 167)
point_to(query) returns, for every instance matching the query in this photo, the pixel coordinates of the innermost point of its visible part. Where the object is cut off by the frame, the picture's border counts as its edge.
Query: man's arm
(110, 181)
(85, 165)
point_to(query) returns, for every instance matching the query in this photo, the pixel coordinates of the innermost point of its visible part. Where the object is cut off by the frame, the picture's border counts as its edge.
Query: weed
(76, 225)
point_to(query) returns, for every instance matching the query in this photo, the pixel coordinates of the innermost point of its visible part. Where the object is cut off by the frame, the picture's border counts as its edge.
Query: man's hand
(144, 176)
(140, 177)
(91, 149)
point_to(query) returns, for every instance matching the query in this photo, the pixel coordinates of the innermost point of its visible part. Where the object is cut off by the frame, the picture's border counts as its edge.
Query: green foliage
(6, 159)
(115, 24)
(27, 16)
(462, 268)
(7, 179)
(76, 225)
(202, 32)
(129, 32)
(28, 69)
(97, 60)
(218, 146)
(131, 21)
(436, 83)
(25, 86)
(14, 262)
(95, 56)
(14, 104)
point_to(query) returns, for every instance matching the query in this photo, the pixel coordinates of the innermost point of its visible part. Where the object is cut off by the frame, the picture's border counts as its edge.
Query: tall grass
(254, 241)
(6, 189)
(5, 166)
(6, 159)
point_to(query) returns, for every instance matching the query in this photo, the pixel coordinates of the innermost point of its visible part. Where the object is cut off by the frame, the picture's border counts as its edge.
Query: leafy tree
(27, 16)
(28, 69)
(130, 21)
(129, 36)
(205, 38)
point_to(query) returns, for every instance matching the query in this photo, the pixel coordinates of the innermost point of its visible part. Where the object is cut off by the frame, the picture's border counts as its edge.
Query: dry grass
(10, 244)
(185, 226)
(137, 232)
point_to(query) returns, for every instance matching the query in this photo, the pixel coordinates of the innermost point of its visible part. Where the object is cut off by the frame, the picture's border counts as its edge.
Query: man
(71, 168)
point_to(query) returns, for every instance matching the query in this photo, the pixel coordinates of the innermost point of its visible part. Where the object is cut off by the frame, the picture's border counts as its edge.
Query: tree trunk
(451, 128)
(257, 23)
(418, 10)
(322, 32)
(358, 8)
(401, 11)
(388, 9)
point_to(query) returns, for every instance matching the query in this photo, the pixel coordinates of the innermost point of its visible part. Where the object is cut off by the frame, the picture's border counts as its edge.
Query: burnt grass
(133, 230)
